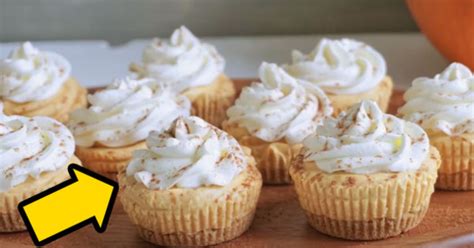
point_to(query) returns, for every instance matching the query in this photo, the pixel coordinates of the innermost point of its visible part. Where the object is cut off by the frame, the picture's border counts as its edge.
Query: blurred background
(118, 21)
(102, 37)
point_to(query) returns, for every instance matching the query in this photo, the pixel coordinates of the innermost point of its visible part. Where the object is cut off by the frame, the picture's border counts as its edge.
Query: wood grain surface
(279, 222)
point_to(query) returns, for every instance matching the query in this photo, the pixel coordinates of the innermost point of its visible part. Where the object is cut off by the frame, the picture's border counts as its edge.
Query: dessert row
(191, 153)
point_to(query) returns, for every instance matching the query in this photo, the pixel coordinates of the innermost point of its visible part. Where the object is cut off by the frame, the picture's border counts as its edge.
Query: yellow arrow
(85, 198)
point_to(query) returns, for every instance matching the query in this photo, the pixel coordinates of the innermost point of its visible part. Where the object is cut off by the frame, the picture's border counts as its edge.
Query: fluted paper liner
(457, 161)
(203, 216)
(211, 102)
(364, 207)
(69, 98)
(107, 161)
(273, 158)
(10, 219)
(380, 94)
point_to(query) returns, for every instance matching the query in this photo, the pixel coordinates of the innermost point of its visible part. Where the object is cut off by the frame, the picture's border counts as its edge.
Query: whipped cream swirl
(126, 112)
(279, 107)
(365, 140)
(189, 155)
(30, 146)
(340, 66)
(182, 63)
(444, 103)
(32, 75)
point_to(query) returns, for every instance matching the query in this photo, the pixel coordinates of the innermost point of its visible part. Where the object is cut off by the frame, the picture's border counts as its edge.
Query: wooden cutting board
(279, 222)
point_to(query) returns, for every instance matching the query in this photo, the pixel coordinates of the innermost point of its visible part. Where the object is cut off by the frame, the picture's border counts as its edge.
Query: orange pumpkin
(449, 25)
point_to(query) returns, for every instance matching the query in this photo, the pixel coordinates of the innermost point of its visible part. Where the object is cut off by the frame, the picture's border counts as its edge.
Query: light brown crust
(380, 94)
(365, 230)
(105, 160)
(339, 204)
(70, 97)
(10, 219)
(457, 161)
(200, 238)
(210, 102)
(201, 216)
(273, 158)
